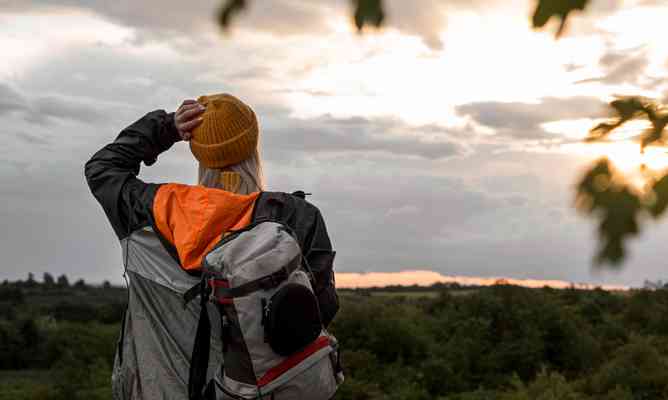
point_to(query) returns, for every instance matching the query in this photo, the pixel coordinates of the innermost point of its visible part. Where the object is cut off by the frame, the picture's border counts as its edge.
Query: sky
(448, 142)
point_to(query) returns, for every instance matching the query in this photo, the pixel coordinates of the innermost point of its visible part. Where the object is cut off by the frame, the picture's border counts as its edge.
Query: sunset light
(334, 199)
(462, 126)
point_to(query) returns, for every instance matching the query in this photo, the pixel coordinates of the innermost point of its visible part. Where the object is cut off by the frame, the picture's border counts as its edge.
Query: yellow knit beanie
(228, 133)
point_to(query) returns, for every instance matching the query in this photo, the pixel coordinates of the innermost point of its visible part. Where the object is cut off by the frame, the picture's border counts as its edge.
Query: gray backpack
(274, 343)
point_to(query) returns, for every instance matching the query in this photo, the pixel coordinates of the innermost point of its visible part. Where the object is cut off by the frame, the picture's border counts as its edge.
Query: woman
(166, 229)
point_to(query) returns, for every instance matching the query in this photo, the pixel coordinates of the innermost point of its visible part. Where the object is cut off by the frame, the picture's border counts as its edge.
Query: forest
(446, 342)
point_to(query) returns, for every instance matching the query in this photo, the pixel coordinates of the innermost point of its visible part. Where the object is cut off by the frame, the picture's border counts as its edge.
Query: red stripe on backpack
(293, 360)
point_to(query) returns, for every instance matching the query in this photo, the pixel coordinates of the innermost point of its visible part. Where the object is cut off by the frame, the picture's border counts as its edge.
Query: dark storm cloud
(523, 120)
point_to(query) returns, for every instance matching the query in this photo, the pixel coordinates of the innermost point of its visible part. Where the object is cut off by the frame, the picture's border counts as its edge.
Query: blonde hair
(244, 177)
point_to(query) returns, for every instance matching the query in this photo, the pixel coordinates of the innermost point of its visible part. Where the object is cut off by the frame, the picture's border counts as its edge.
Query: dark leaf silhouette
(660, 200)
(371, 12)
(634, 108)
(546, 9)
(229, 10)
(368, 12)
(617, 206)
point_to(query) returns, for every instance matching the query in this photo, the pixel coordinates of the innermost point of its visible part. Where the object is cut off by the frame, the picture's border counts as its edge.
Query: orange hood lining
(194, 218)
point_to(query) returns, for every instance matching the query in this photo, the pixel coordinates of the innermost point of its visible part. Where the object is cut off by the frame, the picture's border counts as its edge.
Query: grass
(413, 295)
(25, 385)
(410, 294)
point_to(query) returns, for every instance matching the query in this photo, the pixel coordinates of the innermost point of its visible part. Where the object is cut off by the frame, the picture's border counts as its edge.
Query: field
(448, 343)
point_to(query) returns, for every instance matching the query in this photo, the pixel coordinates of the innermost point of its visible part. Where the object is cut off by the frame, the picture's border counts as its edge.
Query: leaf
(616, 206)
(655, 133)
(629, 108)
(620, 220)
(368, 12)
(546, 9)
(596, 181)
(228, 11)
(660, 193)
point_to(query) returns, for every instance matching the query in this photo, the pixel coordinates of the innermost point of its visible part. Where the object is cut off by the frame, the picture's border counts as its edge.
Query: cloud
(31, 139)
(10, 100)
(277, 17)
(383, 218)
(161, 19)
(621, 67)
(523, 120)
(150, 15)
(426, 20)
(326, 134)
(38, 109)
(64, 108)
(394, 196)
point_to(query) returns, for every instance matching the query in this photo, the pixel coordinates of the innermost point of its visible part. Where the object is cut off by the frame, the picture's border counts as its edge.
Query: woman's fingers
(187, 117)
(189, 113)
(190, 125)
(187, 103)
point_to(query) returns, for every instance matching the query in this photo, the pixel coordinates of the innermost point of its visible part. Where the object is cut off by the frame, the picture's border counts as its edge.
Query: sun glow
(637, 167)
(622, 147)
(425, 278)
(485, 58)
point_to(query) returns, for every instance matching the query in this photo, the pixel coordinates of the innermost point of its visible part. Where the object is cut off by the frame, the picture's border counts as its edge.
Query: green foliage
(638, 367)
(546, 386)
(605, 195)
(503, 343)
(495, 343)
(615, 204)
(634, 108)
(63, 282)
(372, 12)
(229, 10)
(48, 279)
(368, 12)
(561, 9)
(11, 295)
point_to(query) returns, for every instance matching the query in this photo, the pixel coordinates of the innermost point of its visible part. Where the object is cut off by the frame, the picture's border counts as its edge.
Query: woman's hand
(187, 117)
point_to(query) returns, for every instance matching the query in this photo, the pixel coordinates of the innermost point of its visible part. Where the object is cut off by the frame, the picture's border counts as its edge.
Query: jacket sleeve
(320, 258)
(112, 172)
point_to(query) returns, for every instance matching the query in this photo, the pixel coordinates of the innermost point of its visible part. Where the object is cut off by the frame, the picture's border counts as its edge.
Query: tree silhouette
(48, 279)
(31, 282)
(63, 282)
